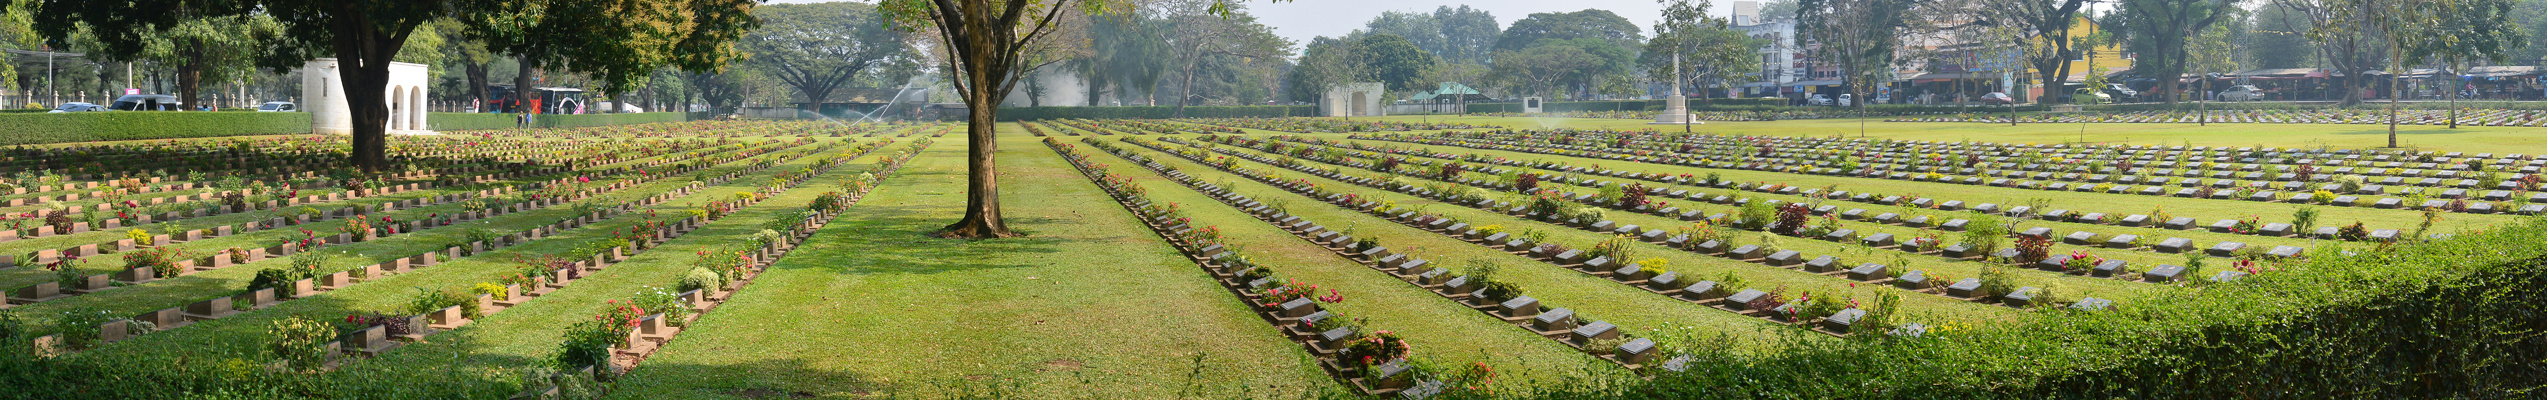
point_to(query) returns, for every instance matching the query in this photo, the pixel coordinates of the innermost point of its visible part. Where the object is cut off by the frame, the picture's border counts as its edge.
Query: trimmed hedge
(446, 121)
(2365, 105)
(1153, 112)
(2456, 318)
(45, 128)
(1745, 104)
(42, 128)
(486, 121)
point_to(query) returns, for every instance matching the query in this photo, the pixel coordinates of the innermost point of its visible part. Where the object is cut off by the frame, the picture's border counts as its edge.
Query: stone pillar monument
(1676, 107)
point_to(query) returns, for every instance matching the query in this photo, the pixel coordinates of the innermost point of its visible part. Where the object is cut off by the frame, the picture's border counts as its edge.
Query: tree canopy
(1708, 48)
(1586, 24)
(1457, 35)
(817, 48)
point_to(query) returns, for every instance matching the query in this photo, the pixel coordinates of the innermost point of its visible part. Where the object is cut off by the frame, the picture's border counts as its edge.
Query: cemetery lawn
(2471, 139)
(1090, 304)
(493, 349)
(2203, 210)
(178, 291)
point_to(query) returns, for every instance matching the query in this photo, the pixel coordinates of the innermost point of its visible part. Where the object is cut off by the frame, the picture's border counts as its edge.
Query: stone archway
(397, 108)
(416, 109)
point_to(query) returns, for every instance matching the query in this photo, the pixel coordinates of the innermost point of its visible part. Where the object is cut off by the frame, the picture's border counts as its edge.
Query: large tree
(1393, 61)
(1858, 36)
(2041, 28)
(817, 48)
(2279, 37)
(1572, 67)
(989, 45)
(1691, 47)
(2466, 31)
(2345, 43)
(1586, 24)
(1418, 28)
(1197, 34)
(1468, 34)
(1126, 51)
(2396, 27)
(208, 49)
(2160, 31)
(475, 61)
(619, 41)
(2531, 17)
(1324, 64)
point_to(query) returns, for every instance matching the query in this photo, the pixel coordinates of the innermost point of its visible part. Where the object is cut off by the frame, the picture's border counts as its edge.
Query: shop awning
(2503, 71)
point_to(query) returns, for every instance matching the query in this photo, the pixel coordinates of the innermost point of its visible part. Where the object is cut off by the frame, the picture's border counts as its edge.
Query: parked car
(2118, 91)
(77, 107)
(277, 106)
(2092, 97)
(147, 102)
(2242, 93)
(1846, 99)
(1997, 98)
(1817, 100)
(606, 107)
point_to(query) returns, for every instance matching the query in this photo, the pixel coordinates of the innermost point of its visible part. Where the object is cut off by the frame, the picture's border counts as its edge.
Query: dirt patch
(1062, 364)
(759, 393)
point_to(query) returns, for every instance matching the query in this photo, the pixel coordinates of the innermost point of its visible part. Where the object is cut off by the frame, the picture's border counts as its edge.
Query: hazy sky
(1301, 20)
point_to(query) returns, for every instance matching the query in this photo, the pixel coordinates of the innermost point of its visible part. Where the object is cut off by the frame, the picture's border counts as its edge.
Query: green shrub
(427, 301)
(1499, 291)
(660, 301)
(278, 277)
(2445, 319)
(1152, 112)
(699, 278)
(588, 344)
(79, 327)
(301, 342)
(488, 121)
(41, 128)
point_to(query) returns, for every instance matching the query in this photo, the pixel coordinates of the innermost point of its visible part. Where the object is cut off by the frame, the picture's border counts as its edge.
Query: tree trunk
(521, 101)
(190, 76)
(476, 73)
(2453, 93)
(2394, 80)
(982, 219)
(1187, 87)
(363, 50)
(987, 60)
(647, 97)
(2174, 88)
(366, 87)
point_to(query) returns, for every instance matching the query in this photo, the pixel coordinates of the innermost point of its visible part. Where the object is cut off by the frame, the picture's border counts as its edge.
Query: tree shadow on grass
(2402, 130)
(901, 243)
(760, 379)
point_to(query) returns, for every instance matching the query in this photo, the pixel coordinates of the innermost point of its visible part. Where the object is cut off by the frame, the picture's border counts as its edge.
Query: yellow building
(2107, 59)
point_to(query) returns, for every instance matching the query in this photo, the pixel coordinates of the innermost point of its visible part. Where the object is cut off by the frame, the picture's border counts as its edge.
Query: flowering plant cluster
(2081, 261)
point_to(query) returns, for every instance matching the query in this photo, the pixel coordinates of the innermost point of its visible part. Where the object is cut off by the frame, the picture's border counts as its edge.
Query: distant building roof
(1455, 88)
(866, 95)
(2501, 71)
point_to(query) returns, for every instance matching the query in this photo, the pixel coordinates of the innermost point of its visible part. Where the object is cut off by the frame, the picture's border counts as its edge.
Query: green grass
(1851, 254)
(490, 351)
(1090, 304)
(2114, 205)
(1093, 305)
(1446, 332)
(1594, 298)
(114, 262)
